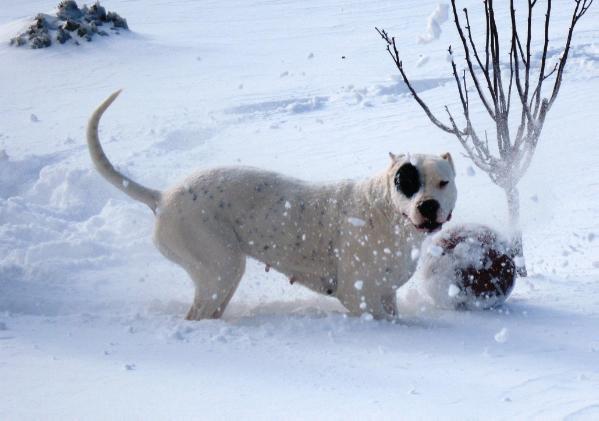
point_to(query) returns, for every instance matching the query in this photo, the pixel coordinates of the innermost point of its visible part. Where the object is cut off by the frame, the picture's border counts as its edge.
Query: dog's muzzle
(431, 226)
(429, 210)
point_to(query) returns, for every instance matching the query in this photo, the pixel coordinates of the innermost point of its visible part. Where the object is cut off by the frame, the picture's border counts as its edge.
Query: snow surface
(91, 315)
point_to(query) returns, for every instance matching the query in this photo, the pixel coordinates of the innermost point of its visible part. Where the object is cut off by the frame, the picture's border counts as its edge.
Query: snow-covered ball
(467, 266)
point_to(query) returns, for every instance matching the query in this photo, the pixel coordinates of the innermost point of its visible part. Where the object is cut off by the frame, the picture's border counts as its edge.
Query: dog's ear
(447, 156)
(395, 158)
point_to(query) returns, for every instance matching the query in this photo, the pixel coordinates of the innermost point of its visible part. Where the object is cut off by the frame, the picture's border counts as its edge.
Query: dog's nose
(429, 209)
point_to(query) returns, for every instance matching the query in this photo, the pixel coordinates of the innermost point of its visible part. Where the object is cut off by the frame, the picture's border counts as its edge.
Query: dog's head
(424, 189)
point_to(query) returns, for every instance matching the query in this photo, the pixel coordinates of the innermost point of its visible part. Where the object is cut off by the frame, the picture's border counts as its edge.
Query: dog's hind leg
(215, 285)
(211, 257)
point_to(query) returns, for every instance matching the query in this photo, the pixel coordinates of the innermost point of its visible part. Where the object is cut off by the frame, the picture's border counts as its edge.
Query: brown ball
(468, 266)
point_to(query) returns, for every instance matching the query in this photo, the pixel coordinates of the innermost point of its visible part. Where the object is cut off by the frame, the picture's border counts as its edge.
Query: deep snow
(91, 315)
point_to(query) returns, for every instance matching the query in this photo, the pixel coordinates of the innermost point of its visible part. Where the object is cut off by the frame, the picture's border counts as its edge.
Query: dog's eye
(443, 183)
(407, 180)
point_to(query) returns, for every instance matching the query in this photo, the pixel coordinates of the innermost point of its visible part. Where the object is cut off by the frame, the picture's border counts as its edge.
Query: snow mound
(58, 221)
(71, 23)
(435, 20)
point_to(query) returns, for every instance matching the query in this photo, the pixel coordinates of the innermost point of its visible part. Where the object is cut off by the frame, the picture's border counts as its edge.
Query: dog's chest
(379, 253)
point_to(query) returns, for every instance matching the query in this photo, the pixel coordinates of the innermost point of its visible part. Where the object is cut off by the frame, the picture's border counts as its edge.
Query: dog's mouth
(429, 226)
(432, 226)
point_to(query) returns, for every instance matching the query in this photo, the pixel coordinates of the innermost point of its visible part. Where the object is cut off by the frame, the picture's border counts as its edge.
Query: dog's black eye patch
(443, 183)
(407, 180)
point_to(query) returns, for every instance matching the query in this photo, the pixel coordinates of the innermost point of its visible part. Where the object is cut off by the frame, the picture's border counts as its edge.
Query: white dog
(352, 240)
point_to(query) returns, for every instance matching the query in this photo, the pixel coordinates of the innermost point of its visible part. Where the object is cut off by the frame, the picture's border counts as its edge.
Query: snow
(415, 254)
(356, 222)
(435, 250)
(453, 290)
(501, 336)
(84, 294)
(435, 20)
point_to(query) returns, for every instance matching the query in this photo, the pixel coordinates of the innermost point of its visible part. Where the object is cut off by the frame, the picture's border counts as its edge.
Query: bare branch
(536, 96)
(463, 99)
(473, 154)
(528, 40)
(526, 116)
(509, 91)
(473, 75)
(392, 49)
(487, 32)
(501, 119)
(485, 68)
(465, 90)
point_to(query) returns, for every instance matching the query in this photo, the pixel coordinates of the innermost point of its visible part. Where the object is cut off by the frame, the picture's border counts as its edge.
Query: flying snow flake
(358, 285)
(412, 160)
(435, 250)
(453, 290)
(356, 222)
(287, 205)
(125, 183)
(501, 336)
(519, 261)
(367, 317)
(422, 60)
(415, 254)
(387, 250)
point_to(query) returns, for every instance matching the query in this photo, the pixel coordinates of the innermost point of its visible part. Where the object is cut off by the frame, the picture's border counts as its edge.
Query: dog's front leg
(382, 305)
(389, 305)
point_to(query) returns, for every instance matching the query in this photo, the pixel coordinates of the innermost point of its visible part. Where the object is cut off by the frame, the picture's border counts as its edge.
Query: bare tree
(494, 82)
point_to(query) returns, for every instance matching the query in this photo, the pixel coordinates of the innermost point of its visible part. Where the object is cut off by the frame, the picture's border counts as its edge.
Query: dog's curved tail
(131, 188)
